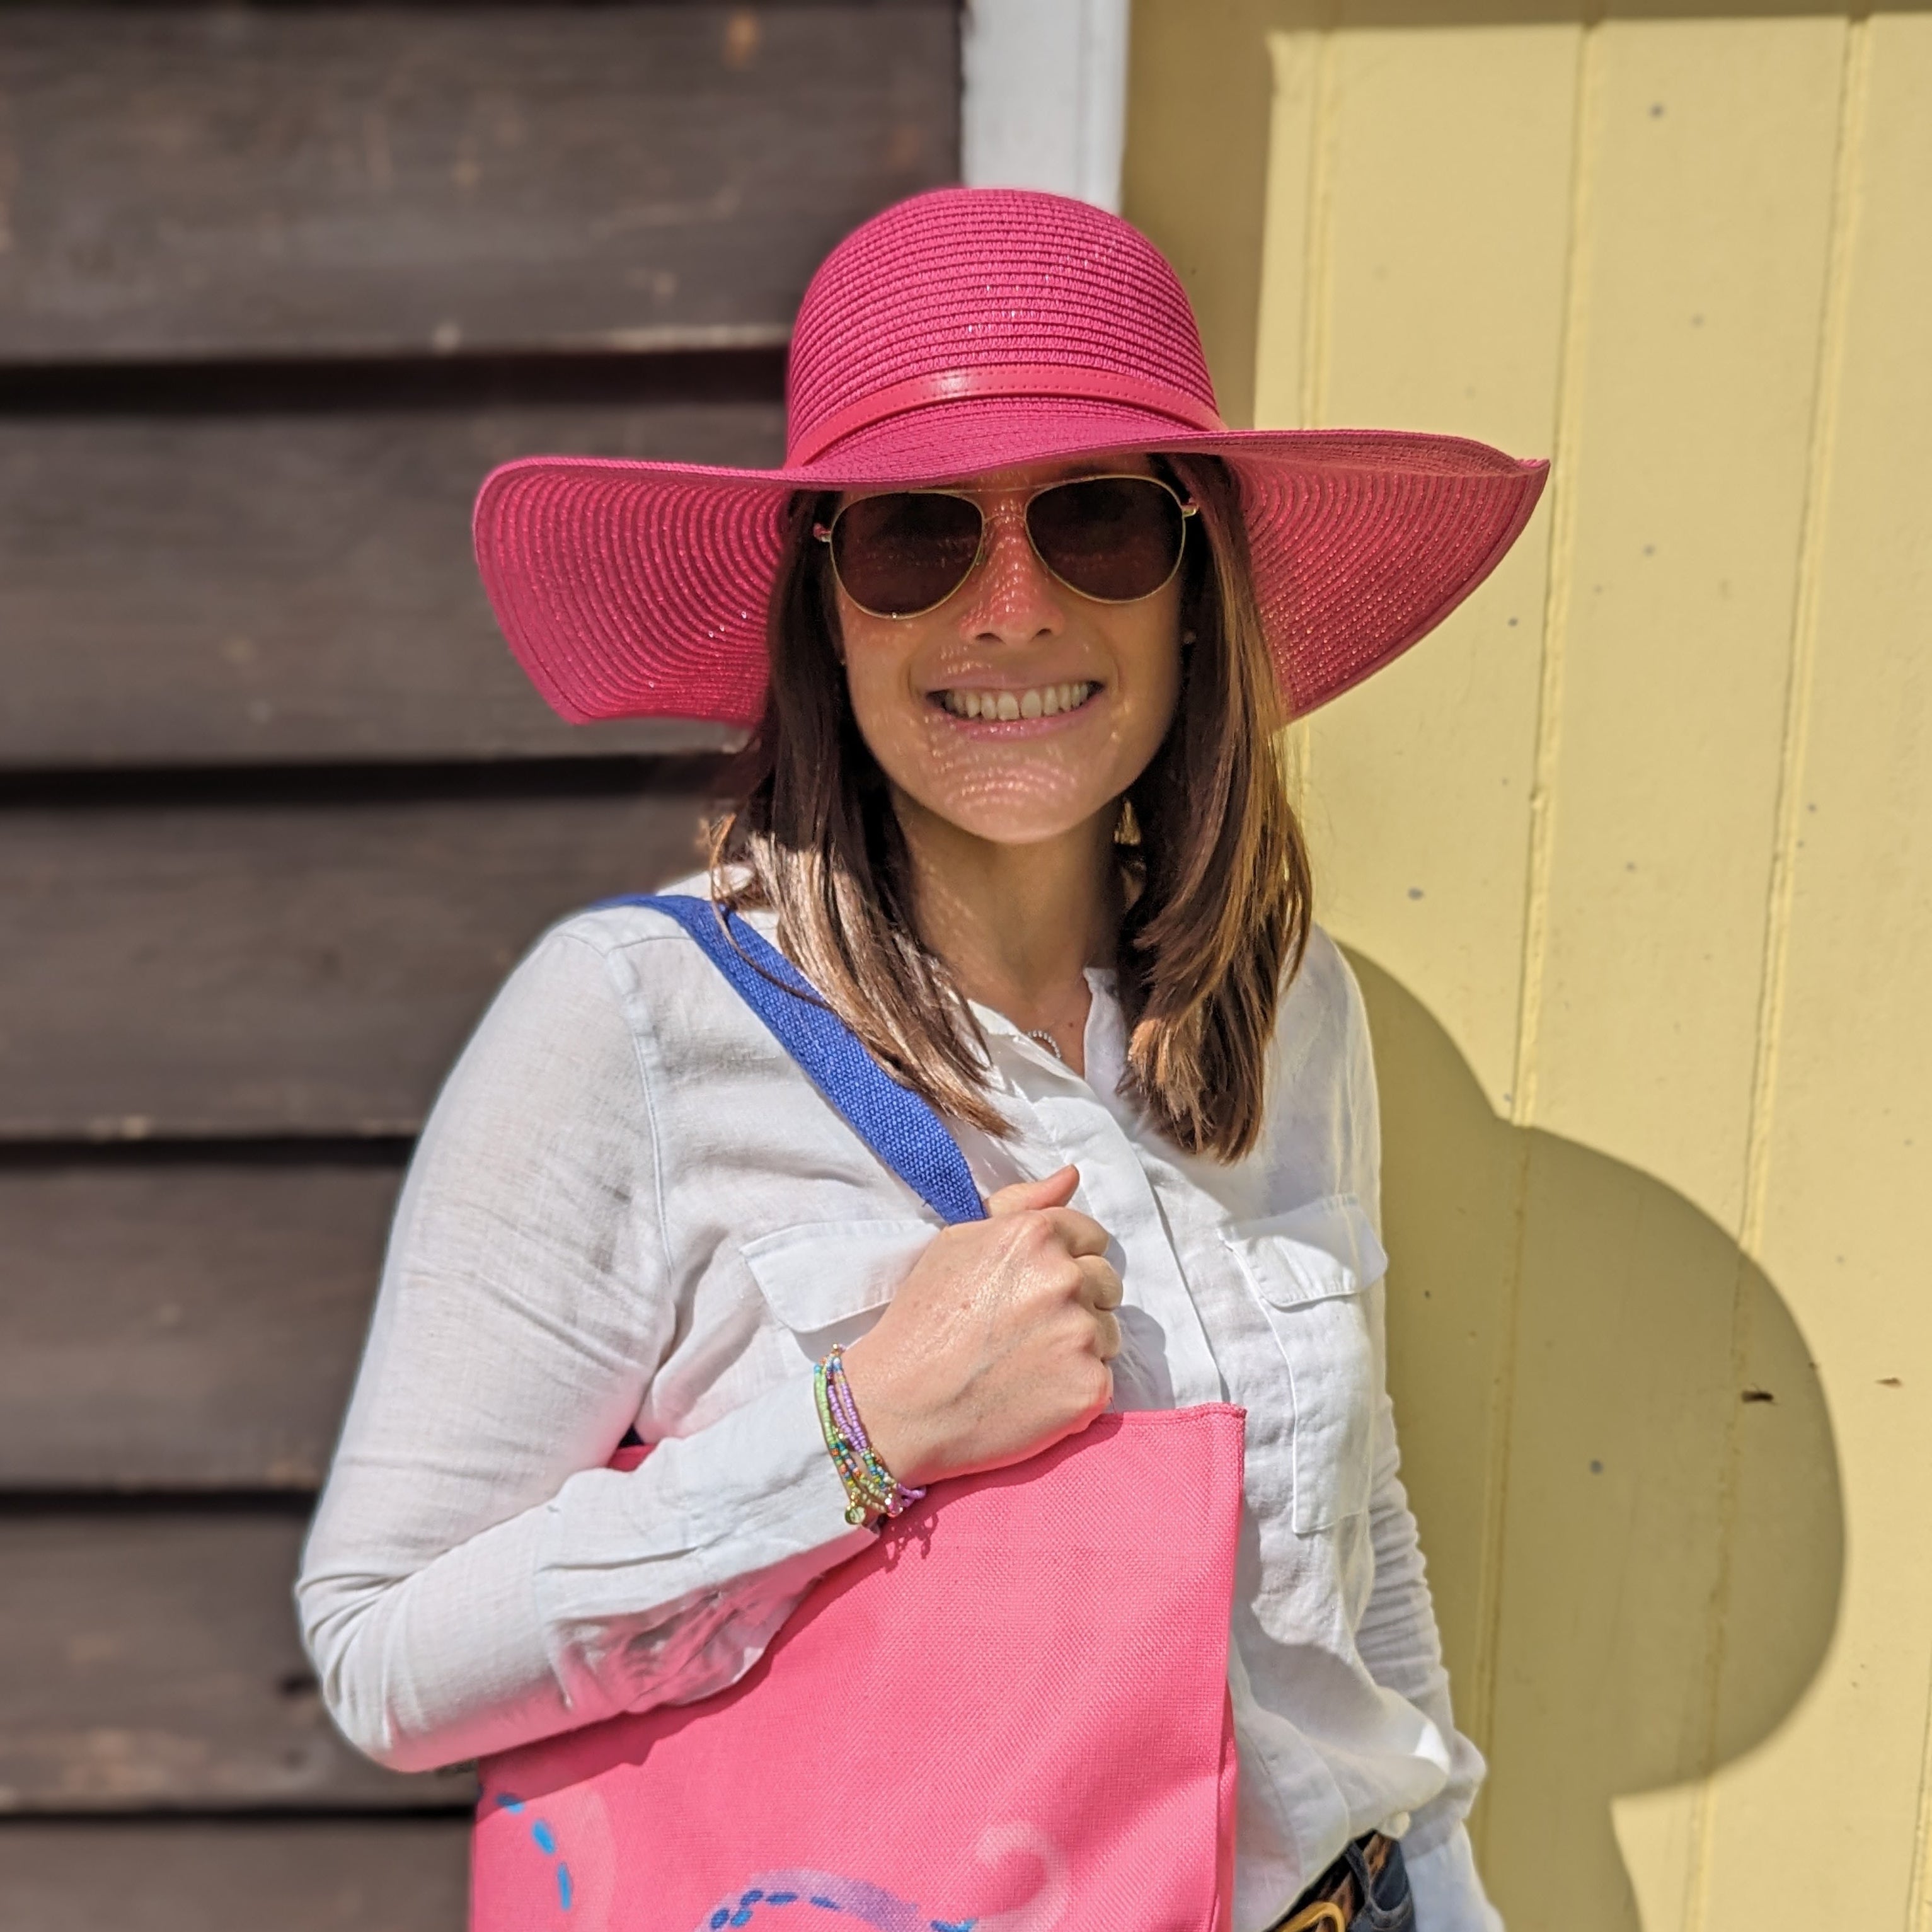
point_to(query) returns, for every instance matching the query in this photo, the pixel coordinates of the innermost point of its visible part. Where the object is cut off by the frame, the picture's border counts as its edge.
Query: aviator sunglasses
(1115, 539)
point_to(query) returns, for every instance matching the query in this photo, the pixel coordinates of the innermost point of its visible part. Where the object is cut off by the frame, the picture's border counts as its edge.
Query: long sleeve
(476, 1578)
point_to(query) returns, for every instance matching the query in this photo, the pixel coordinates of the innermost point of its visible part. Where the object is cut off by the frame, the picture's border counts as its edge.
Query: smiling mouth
(1040, 700)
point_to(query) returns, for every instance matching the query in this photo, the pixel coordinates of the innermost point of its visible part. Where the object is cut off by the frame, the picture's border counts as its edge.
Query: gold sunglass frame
(823, 532)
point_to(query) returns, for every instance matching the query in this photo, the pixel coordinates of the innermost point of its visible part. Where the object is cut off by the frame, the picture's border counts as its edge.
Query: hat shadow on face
(1659, 1579)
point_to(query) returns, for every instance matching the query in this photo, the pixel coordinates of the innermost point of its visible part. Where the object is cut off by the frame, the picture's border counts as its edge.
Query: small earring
(1187, 636)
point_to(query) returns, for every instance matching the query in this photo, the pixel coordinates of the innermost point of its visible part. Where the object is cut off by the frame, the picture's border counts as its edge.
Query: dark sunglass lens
(1115, 538)
(903, 553)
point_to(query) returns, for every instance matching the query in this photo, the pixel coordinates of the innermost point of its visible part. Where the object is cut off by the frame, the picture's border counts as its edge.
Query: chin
(1017, 821)
(1009, 832)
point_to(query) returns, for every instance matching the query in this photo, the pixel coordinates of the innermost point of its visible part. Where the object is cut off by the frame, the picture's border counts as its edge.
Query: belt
(1331, 1902)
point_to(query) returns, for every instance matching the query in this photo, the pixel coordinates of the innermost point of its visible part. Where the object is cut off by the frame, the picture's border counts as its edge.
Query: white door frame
(1044, 100)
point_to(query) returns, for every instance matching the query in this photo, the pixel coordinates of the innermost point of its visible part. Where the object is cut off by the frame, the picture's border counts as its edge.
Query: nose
(1010, 597)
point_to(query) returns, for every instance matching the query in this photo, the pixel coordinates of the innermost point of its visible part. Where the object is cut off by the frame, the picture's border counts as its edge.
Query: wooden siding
(299, 181)
(182, 1318)
(278, 812)
(162, 1874)
(1635, 859)
(292, 576)
(154, 1661)
(307, 966)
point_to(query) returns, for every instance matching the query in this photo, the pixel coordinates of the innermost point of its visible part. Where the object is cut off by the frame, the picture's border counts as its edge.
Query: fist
(998, 1343)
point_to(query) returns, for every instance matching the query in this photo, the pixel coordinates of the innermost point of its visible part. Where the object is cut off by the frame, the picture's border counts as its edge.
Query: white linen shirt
(630, 1208)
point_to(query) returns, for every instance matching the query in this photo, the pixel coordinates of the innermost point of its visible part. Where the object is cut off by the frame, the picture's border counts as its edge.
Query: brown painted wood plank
(399, 1874)
(347, 179)
(309, 967)
(152, 1660)
(181, 1324)
(250, 588)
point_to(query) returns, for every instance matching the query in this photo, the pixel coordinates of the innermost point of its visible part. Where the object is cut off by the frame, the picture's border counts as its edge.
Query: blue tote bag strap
(902, 1129)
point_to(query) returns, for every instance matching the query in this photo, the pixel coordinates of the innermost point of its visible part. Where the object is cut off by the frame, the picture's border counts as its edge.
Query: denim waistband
(1387, 1906)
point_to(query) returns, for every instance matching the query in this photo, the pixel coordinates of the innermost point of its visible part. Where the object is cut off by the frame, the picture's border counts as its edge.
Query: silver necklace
(1047, 1040)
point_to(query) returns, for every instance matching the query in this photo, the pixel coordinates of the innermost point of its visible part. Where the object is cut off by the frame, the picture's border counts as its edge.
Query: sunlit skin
(1009, 824)
(999, 1343)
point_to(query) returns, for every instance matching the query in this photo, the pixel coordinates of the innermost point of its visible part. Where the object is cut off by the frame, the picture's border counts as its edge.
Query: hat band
(1055, 380)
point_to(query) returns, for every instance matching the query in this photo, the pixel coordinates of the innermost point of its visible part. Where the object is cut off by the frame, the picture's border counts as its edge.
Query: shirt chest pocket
(827, 1281)
(1312, 1272)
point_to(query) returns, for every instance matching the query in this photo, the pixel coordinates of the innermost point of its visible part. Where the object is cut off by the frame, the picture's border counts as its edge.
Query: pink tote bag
(1010, 1714)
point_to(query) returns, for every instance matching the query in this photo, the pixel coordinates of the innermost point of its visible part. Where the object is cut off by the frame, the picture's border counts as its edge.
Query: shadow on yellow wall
(1669, 1560)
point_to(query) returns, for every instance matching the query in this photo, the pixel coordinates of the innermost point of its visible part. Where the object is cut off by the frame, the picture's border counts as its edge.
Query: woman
(1033, 615)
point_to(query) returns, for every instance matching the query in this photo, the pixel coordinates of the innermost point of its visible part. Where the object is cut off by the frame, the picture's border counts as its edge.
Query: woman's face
(1093, 686)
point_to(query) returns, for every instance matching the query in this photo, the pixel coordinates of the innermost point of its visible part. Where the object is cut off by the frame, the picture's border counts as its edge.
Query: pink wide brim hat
(963, 331)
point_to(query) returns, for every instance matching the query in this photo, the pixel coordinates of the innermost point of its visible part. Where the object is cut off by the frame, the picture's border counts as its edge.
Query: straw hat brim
(633, 590)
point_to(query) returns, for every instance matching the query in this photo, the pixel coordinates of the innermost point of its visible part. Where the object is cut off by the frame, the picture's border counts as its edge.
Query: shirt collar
(1100, 1047)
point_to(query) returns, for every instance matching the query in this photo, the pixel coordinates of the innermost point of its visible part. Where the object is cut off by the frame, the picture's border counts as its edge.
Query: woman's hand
(998, 1342)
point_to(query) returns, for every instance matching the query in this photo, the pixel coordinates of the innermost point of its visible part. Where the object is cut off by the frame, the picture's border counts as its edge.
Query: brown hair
(1215, 869)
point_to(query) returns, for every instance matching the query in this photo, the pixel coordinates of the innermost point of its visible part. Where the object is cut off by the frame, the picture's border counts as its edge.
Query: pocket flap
(1316, 1252)
(823, 1272)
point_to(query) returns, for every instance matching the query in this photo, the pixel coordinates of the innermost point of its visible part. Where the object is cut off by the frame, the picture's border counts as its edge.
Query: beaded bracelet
(868, 1498)
(871, 1490)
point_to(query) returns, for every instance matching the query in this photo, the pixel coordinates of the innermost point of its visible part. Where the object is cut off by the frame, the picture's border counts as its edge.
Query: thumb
(1052, 1190)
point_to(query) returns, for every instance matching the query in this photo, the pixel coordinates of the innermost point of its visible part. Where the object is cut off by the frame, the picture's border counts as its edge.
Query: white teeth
(1045, 700)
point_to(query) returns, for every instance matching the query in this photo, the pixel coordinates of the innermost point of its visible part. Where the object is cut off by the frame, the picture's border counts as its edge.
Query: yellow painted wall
(1635, 859)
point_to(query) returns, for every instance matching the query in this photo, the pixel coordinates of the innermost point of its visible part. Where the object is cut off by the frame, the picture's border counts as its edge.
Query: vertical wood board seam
(1788, 815)
(1536, 885)
(1270, 302)
(1557, 593)
(1801, 662)
(1919, 1894)
(1319, 282)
